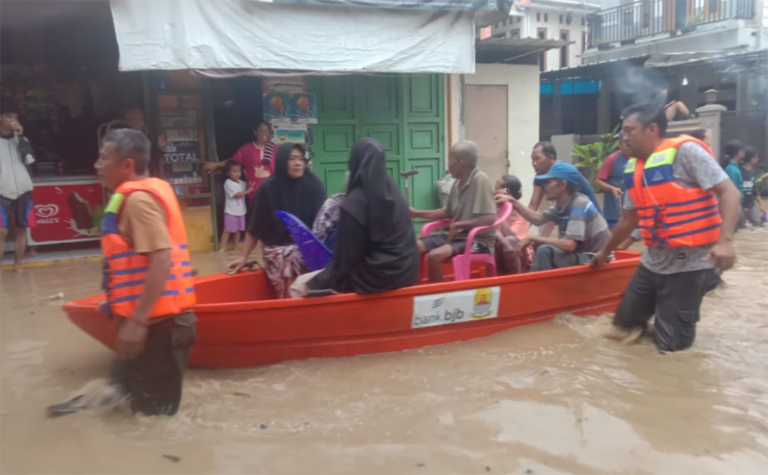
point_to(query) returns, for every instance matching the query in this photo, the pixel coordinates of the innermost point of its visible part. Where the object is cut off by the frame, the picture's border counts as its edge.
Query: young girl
(510, 259)
(234, 209)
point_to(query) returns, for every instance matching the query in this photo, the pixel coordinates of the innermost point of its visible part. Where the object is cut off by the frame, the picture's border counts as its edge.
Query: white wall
(522, 83)
(528, 26)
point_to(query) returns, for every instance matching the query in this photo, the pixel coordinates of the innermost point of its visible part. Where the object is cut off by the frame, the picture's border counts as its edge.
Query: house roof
(514, 50)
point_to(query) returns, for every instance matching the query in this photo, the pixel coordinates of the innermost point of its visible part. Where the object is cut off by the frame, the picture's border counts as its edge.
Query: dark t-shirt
(748, 187)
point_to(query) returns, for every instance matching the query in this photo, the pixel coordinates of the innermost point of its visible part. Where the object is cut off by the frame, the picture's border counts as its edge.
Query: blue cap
(562, 171)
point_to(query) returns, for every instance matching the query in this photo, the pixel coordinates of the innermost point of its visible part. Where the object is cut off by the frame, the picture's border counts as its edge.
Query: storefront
(199, 102)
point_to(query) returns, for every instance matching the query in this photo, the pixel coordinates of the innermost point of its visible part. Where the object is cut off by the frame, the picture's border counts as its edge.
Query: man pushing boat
(672, 187)
(147, 280)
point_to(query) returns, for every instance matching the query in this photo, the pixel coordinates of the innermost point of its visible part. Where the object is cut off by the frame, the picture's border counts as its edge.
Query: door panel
(486, 124)
(404, 113)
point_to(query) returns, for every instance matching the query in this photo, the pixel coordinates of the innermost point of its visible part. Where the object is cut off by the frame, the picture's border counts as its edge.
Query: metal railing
(625, 23)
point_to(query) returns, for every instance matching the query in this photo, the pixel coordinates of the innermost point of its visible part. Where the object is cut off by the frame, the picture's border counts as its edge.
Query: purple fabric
(233, 224)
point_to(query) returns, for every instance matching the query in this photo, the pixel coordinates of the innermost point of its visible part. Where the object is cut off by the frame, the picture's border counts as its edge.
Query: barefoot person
(15, 182)
(148, 279)
(672, 188)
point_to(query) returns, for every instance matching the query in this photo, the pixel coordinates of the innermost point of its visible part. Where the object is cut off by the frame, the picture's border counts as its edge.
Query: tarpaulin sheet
(248, 34)
(462, 5)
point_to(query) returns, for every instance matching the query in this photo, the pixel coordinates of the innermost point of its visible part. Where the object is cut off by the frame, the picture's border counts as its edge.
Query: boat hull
(240, 325)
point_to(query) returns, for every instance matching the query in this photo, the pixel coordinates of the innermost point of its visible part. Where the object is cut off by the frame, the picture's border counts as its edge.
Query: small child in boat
(234, 208)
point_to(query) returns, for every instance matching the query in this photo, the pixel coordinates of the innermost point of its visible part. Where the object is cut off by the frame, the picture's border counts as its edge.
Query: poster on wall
(66, 213)
(291, 133)
(297, 108)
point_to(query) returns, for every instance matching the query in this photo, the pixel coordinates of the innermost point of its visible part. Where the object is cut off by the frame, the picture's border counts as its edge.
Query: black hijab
(375, 245)
(302, 197)
(371, 194)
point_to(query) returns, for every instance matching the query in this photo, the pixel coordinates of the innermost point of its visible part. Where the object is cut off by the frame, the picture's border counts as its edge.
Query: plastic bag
(444, 186)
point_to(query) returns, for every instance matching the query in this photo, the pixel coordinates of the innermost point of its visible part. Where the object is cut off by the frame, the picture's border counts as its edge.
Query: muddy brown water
(553, 398)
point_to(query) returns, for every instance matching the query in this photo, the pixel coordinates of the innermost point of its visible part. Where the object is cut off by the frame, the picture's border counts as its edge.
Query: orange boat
(240, 324)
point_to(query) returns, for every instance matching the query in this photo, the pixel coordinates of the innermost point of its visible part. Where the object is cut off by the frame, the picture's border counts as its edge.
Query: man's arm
(432, 215)
(730, 203)
(529, 214)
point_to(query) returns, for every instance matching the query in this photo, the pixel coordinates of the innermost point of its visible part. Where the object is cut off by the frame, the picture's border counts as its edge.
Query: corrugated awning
(440, 5)
(511, 50)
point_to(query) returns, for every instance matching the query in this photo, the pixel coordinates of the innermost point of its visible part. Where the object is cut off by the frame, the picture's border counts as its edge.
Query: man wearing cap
(582, 229)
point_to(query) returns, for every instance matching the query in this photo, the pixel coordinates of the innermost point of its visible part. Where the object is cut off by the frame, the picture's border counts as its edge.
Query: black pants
(675, 300)
(153, 379)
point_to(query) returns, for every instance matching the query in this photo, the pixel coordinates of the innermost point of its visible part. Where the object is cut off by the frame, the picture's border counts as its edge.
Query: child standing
(751, 205)
(234, 208)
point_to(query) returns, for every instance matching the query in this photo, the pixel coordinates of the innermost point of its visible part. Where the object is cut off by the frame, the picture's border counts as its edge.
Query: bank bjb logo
(46, 214)
(483, 303)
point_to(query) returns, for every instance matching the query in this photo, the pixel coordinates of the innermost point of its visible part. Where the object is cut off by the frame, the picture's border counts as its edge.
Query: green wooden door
(403, 112)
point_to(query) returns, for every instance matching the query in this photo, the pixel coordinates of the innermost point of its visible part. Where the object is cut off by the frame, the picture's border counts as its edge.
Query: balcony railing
(644, 18)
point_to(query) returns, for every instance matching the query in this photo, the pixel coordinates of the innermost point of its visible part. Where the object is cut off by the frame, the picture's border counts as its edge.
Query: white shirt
(14, 177)
(234, 206)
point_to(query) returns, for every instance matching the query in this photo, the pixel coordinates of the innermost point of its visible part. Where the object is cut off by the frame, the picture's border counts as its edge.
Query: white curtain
(246, 34)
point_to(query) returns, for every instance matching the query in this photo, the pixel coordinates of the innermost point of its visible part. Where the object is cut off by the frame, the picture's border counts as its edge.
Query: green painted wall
(404, 112)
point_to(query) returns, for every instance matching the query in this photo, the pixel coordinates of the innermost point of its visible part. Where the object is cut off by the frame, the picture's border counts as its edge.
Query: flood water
(553, 398)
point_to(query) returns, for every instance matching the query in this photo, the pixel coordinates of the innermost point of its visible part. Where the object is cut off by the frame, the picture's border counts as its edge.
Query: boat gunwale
(632, 259)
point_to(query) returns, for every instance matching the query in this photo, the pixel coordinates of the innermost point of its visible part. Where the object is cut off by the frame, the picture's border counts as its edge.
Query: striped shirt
(580, 221)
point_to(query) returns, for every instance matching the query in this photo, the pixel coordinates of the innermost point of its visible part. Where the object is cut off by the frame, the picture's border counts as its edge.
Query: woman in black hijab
(375, 243)
(291, 188)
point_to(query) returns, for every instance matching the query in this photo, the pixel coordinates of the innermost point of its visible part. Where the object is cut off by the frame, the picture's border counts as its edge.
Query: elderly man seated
(470, 204)
(583, 230)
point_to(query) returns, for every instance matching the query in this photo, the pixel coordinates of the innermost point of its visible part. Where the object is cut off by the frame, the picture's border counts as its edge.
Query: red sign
(66, 213)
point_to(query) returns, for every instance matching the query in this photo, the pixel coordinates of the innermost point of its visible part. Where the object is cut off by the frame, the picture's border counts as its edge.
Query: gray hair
(133, 144)
(467, 151)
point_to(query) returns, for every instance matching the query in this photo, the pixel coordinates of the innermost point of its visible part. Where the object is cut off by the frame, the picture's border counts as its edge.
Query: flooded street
(554, 398)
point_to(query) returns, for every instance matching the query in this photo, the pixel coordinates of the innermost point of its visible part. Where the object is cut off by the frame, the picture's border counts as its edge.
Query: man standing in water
(147, 278)
(672, 189)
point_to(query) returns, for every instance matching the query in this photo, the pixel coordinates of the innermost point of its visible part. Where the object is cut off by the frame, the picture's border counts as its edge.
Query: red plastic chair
(463, 262)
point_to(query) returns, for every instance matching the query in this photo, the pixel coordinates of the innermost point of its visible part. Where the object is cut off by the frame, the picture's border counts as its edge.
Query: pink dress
(256, 168)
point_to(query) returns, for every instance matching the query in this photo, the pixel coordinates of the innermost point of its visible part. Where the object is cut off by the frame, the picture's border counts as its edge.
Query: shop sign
(455, 307)
(180, 152)
(66, 213)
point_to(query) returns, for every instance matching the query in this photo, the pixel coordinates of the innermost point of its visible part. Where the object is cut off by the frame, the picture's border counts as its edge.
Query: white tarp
(246, 34)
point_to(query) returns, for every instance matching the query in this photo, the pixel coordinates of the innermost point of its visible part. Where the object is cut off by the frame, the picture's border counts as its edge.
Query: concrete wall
(522, 83)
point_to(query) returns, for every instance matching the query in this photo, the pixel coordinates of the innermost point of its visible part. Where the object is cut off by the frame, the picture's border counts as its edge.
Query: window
(561, 19)
(519, 19)
(546, 17)
(538, 16)
(564, 49)
(515, 34)
(584, 41)
(541, 33)
(583, 21)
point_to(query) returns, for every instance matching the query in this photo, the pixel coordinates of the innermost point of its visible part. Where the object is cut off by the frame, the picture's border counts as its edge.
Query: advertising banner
(66, 213)
(455, 307)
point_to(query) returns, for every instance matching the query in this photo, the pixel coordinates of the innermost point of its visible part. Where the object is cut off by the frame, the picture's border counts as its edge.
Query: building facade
(561, 20)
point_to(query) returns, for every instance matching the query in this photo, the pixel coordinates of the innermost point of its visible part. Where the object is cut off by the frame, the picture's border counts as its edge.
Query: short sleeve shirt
(257, 166)
(143, 223)
(580, 221)
(234, 206)
(470, 200)
(693, 167)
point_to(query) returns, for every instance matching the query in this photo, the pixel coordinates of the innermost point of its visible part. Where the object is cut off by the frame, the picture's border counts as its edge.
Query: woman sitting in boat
(509, 260)
(375, 245)
(298, 191)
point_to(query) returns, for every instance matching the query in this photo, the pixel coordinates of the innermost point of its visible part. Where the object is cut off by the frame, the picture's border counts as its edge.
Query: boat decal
(455, 307)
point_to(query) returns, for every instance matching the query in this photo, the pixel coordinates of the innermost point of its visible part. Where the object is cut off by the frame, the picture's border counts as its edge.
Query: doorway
(486, 123)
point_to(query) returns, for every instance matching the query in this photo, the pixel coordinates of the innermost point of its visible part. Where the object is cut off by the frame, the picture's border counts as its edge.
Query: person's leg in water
(637, 306)
(678, 304)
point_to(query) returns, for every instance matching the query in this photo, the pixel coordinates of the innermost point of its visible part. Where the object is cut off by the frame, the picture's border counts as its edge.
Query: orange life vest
(670, 214)
(125, 270)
